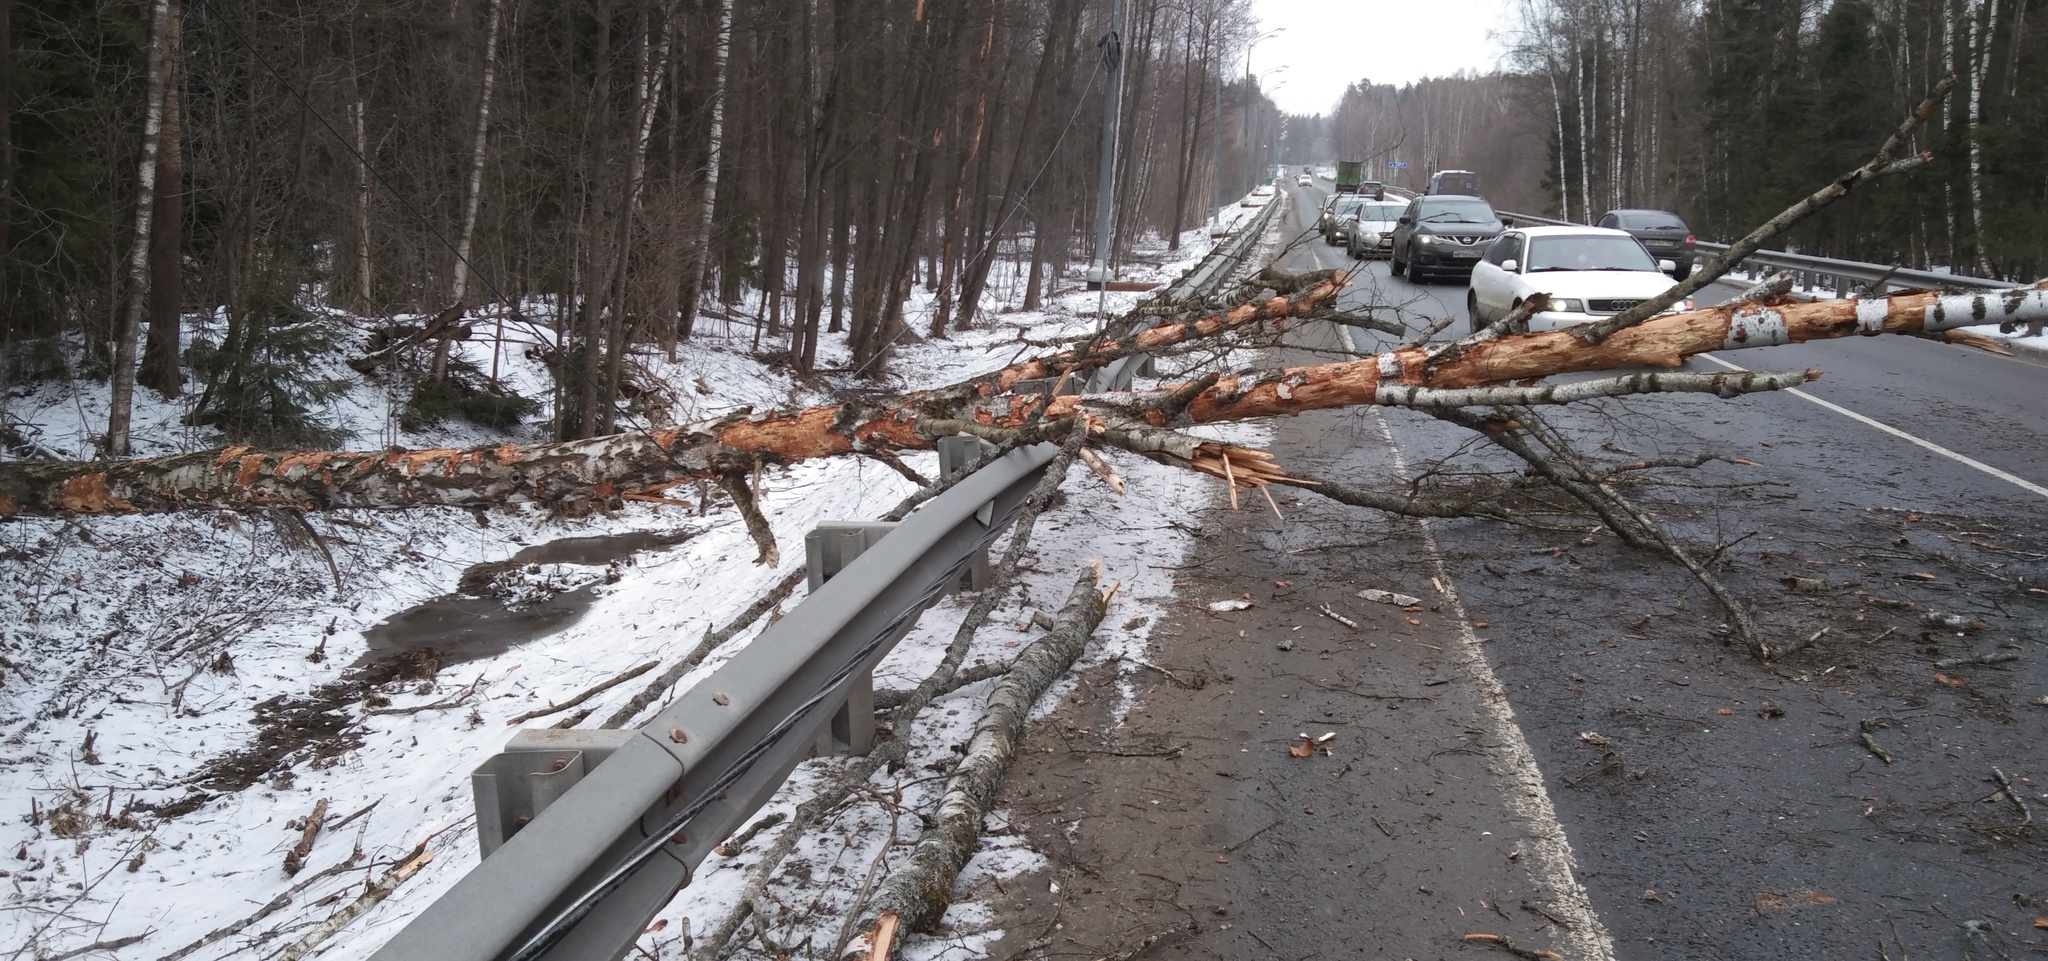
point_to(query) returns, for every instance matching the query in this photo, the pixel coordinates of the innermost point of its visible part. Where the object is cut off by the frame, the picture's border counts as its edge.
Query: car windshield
(1381, 211)
(1458, 212)
(1348, 205)
(1587, 253)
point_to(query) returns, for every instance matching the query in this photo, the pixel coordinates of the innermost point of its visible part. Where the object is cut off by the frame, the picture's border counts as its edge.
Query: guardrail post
(956, 452)
(536, 767)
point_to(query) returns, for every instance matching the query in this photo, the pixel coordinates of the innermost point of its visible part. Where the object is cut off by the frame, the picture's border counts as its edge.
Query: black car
(1442, 235)
(1666, 236)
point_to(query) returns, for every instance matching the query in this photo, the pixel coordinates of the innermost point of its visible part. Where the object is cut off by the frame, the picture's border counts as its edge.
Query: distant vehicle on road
(1349, 174)
(1304, 181)
(1589, 273)
(1666, 236)
(1461, 182)
(1342, 217)
(1372, 229)
(1375, 189)
(1440, 235)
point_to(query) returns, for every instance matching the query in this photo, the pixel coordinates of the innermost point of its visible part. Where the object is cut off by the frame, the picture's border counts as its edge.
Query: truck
(1349, 174)
(1462, 182)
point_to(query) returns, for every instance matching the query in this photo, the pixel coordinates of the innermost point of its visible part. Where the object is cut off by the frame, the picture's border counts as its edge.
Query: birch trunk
(1585, 168)
(160, 370)
(473, 186)
(917, 894)
(1564, 183)
(365, 193)
(694, 246)
(642, 465)
(131, 310)
(458, 287)
(1980, 44)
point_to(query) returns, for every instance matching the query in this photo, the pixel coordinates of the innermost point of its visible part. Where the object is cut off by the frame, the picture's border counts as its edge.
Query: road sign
(1398, 164)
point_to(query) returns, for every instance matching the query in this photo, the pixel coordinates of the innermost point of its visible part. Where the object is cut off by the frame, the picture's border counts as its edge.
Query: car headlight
(1569, 305)
(1425, 240)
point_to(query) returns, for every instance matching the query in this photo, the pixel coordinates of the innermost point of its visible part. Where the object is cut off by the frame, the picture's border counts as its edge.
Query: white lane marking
(1550, 852)
(1963, 459)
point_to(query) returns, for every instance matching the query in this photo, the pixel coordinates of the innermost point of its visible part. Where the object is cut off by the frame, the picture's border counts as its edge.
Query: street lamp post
(1249, 156)
(1099, 274)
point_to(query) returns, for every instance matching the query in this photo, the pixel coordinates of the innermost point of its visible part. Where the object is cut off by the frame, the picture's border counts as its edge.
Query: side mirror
(1667, 266)
(1510, 265)
(1405, 220)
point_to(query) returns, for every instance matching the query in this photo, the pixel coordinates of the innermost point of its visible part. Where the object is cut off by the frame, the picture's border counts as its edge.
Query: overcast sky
(1329, 44)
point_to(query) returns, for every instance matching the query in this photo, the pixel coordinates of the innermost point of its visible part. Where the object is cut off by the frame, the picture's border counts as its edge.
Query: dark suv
(1666, 236)
(1442, 235)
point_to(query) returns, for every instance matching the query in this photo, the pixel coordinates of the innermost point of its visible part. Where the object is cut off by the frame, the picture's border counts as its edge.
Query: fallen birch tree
(641, 466)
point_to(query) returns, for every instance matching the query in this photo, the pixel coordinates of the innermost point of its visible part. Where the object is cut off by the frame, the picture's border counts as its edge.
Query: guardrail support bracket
(537, 767)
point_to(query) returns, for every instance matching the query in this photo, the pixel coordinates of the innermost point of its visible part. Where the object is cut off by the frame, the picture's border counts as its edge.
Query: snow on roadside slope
(154, 664)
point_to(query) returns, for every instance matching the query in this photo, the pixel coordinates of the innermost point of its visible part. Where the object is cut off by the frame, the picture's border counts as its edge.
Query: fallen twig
(919, 892)
(586, 695)
(295, 858)
(363, 902)
(1339, 618)
(712, 639)
(1508, 944)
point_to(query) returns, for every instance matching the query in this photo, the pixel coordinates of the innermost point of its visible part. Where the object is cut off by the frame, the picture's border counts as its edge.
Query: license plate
(1465, 254)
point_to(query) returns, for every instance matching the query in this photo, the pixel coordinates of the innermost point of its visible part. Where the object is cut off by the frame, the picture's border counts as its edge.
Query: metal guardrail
(587, 834)
(1824, 273)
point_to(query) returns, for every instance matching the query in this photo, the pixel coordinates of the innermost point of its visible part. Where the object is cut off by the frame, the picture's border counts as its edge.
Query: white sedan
(1590, 273)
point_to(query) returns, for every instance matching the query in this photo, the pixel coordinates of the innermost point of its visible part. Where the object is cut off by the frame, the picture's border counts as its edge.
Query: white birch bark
(700, 224)
(129, 316)
(473, 190)
(1564, 189)
(365, 193)
(1980, 43)
(1585, 171)
(1948, 67)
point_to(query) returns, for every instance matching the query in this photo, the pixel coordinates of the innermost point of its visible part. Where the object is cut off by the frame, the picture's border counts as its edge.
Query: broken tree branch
(1879, 165)
(918, 893)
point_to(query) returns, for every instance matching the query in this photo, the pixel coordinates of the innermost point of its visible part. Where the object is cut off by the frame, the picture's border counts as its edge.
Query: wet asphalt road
(1705, 830)
(1714, 807)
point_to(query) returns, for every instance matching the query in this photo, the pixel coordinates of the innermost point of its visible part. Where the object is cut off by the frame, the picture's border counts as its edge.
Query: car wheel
(1684, 271)
(1472, 310)
(1396, 266)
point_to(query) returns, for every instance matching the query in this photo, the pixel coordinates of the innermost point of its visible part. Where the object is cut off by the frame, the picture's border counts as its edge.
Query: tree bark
(641, 465)
(160, 353)
(122, 403)
(696, 247)
(918, 893)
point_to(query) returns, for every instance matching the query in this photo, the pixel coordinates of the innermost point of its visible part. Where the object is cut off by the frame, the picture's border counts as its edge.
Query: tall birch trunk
(1981, 35)
(1585, 170)
(458, 287)
(1564, 183)
(130, 313)
(365, 195)
(695, 253)
(160, 352)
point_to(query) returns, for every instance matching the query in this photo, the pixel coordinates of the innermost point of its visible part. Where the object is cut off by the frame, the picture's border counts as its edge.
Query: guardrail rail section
(587, 834)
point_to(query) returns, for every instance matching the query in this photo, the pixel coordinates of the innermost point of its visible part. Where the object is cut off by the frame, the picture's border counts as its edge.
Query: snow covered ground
(178, 693)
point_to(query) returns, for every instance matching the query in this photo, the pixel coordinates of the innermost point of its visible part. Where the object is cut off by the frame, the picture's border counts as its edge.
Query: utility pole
(1099, 274)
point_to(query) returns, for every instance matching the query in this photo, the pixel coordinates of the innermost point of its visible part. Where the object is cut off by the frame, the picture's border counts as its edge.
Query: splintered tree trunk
(130, 312)
(642, 465)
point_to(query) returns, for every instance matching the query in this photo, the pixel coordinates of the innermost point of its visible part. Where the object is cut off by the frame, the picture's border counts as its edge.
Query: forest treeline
(633, 164)
(1727, 111)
